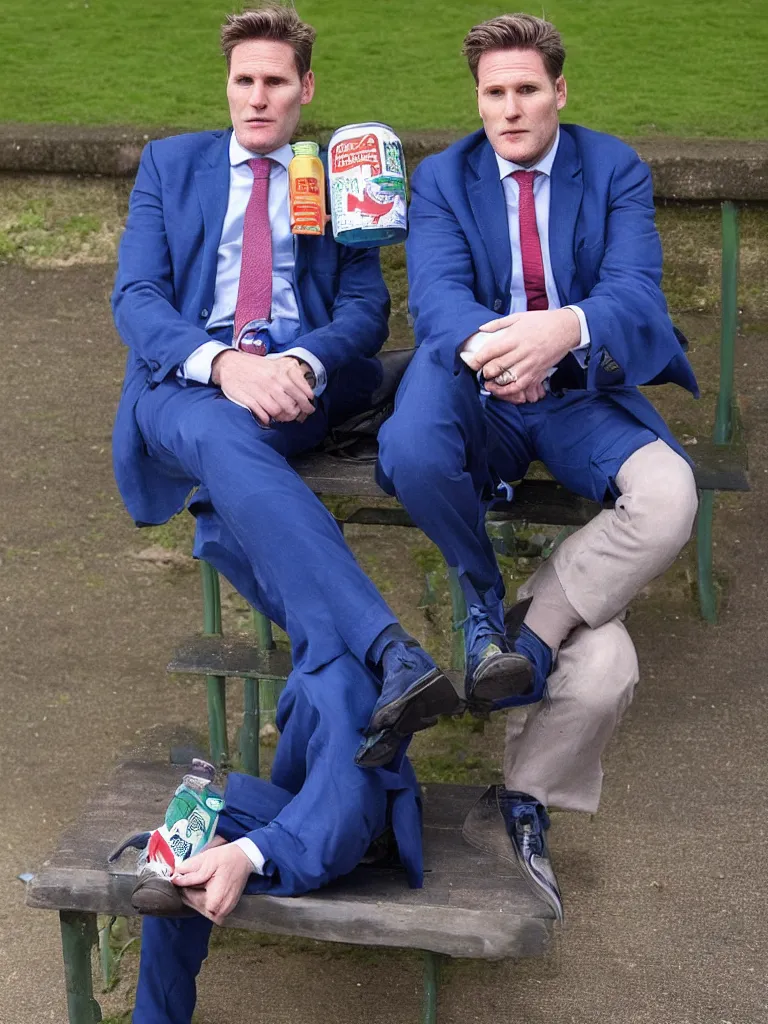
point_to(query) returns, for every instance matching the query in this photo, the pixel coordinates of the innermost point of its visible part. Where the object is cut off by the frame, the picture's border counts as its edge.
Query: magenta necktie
(530, 244)
(254, 293)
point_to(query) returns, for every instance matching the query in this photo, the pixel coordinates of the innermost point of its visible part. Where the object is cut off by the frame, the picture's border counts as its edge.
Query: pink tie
(530, 244)
(254, 294)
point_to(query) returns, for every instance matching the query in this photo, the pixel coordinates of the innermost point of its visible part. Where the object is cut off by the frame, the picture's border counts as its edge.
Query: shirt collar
(544, 166)
(239, 154)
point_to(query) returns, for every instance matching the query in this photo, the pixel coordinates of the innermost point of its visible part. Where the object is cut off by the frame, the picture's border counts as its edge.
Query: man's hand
(529, 345)
(270, 388)
(212, 882)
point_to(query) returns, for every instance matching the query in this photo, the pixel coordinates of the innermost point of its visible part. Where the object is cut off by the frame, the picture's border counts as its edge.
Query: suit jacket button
(497, 305)
(204, 314)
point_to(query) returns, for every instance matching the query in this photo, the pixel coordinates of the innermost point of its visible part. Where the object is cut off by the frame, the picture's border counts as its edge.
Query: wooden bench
(472, 905)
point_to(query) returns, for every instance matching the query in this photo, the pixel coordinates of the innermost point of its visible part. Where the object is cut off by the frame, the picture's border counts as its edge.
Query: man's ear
(561, 91)
(308, 87)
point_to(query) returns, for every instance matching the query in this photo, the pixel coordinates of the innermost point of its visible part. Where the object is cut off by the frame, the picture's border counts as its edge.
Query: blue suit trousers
(313, 822)
(446, 448)
(259, 524)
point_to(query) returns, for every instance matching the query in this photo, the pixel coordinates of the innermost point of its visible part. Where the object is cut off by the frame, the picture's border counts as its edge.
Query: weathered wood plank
(722, 468)
(234, 654)
(471, 905)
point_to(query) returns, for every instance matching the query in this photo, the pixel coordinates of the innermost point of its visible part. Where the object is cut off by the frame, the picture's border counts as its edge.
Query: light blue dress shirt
(518, 298)
(541, 194)
(285, 313)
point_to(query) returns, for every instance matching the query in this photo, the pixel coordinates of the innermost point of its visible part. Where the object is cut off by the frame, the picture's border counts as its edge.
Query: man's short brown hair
(516, 32)
(272, 20)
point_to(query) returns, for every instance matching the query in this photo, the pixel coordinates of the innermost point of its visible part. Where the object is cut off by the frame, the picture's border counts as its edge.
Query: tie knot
(260, 165)
(524, 179)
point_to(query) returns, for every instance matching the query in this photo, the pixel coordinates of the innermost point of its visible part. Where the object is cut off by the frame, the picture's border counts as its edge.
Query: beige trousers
(553, 749)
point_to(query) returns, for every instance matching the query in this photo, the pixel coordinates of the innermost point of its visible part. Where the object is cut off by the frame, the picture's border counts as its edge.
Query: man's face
(518, 103)
(265, 94)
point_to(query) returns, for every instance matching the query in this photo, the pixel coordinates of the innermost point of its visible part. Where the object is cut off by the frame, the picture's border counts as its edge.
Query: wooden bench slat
(204, 655)
(234, 654)
(722, 468)
(472, 904)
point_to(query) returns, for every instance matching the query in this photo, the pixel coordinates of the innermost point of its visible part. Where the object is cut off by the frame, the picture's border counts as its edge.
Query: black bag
(355, 438)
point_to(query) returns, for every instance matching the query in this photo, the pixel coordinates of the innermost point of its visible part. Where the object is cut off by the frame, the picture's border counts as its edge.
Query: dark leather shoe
(414, 693)
(494, 670)
(513, 826)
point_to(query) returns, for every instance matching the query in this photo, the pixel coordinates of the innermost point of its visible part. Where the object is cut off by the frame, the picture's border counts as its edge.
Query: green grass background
(687, 67)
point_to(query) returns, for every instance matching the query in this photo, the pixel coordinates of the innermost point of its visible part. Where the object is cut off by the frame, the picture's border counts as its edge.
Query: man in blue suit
(534, 269)
(246, 343)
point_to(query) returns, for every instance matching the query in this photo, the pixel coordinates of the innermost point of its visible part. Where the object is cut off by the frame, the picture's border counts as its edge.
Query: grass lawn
(634, 66)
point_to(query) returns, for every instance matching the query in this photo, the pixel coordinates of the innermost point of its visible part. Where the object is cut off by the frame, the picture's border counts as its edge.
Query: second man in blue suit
(534, 270)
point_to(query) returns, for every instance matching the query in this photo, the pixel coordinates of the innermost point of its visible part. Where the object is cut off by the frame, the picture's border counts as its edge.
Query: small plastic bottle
(306, 184)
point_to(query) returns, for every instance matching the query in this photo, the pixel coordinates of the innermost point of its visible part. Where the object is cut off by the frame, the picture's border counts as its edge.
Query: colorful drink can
(366, 172)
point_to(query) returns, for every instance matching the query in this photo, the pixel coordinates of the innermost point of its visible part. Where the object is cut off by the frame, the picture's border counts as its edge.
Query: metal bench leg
(458, 614)
(249, 736)
(260, 699)
(217, 692)
(78, 935)
(269, 689)
(725, 415)
(432, 964)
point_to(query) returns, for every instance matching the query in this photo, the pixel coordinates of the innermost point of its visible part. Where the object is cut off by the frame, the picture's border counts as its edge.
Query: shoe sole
(499, 677)
(432, 696)
(159, 897)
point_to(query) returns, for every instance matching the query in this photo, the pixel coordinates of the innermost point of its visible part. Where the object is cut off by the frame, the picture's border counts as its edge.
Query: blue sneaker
(495, 671)
(414, 693)
(530, 646)
(513, 826)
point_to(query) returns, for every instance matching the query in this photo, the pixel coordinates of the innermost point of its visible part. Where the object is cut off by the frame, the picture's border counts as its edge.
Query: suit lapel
(486, 197)
(566, 193)
(212, 183)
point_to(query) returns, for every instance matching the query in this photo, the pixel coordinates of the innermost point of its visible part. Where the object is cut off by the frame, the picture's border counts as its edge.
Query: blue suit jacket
(165, 287)
(604, 247)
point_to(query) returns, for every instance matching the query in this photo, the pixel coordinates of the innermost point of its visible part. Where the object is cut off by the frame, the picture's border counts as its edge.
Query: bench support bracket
(78, 936)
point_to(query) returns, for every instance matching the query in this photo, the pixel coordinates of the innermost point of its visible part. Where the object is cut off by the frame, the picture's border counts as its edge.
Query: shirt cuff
(253, 853)
(321, 378)
(474, 343)
(580, 352)
(198, 366)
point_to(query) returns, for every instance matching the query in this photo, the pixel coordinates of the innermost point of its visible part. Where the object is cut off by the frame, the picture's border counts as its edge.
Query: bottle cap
(306, 149)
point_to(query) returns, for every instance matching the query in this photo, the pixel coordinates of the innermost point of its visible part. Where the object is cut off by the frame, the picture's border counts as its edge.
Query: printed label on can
(360, 152)
(367, 179)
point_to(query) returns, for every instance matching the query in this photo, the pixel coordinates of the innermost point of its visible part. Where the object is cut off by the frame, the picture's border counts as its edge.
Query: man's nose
(511, 107)
(258, 95)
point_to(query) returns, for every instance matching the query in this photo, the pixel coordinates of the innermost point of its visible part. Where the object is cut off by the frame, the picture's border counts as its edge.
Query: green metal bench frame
(727, 422)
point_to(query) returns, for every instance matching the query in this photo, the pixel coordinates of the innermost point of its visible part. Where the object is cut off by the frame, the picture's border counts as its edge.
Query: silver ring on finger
(507, 376)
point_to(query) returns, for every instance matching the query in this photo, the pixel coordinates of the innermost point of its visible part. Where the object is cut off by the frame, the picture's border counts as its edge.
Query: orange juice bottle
(306, 186)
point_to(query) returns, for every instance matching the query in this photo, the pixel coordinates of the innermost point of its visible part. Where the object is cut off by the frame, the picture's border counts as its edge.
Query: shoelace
(479, 618)
(528, 826)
